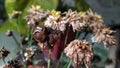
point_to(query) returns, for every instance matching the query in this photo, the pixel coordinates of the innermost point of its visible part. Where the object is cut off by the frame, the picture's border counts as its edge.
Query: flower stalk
(49, 58)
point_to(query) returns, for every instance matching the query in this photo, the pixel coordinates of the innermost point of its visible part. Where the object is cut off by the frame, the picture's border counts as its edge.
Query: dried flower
(4, 52)
(55, 21)
(45, 36)
(94, 20)
(29, 53)
(77, 25)
(30, 22)
(105, 36)
(39, 34)
(74, 19)
(36, 14)
(80, 52)
(15, 14)
(40, 37)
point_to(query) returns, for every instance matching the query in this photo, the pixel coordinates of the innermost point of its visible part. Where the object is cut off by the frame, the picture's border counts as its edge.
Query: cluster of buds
(105, 36)
(4, 52)
(80, 52)
(29, 53)
(36, 14)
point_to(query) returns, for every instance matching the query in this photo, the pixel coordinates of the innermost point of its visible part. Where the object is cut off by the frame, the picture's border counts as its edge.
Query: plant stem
(4, 61)
(18, 43)
(18, 30)
(87, 65)
(65, 43)
(30, 36)
(66, 37)
(49, 57)
(59, 60)
(77, 34)
(70, 62)
(85, 35)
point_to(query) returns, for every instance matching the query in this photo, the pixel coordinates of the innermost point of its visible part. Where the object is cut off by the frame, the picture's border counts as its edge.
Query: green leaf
(45, 4)
(102, 52)
(8, 25)
(10, 44)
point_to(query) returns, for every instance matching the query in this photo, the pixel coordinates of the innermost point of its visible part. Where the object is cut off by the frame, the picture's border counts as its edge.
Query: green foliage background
(19, 24)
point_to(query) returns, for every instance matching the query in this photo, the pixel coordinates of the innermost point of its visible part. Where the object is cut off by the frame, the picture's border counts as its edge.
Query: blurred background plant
(12, 17)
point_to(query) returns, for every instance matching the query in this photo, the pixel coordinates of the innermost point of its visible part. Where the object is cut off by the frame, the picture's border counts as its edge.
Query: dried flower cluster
(39, 34)
(60, 23)
(29, 53)
(80, 52)
(55, 21)
(105, 36)
(74, 19)
(45, 36)
(4, 53)
(94, 21)
(78, 20)
(39, 37)
(36, 14)
(100, 32)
